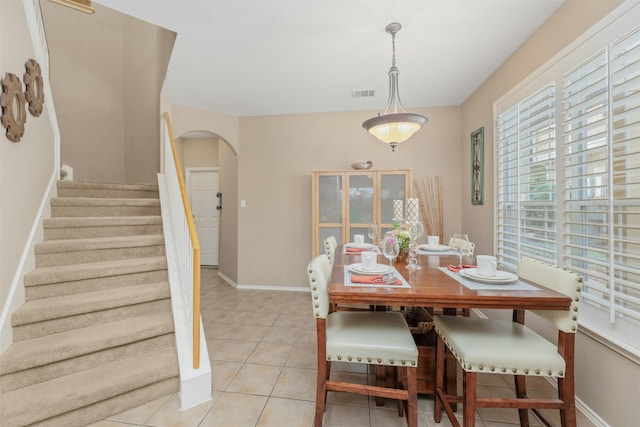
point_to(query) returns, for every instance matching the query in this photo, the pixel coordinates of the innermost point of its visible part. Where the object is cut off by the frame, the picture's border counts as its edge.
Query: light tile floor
(263, 354)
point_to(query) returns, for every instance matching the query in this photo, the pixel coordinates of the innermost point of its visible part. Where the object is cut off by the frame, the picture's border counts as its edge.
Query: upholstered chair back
(559, 280)
(319, 271)
(330, 245)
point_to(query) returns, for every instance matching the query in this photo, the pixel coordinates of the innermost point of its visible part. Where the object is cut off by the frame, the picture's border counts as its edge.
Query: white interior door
(203, 187)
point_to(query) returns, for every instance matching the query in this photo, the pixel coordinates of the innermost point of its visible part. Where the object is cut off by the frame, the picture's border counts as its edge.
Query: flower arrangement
(402, 235)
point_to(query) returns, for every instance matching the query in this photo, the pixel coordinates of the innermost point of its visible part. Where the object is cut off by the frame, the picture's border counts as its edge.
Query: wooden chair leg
(566, 394)
(412, 403)
(437, 403)
(521, 393)
(400, 376)
(469, 386)
(566, 385)
(328, 368)
(451, 377)
(321, 392)
(381, 378)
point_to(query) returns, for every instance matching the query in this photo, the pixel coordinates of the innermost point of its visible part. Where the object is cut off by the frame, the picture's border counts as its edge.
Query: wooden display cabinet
(346, 202)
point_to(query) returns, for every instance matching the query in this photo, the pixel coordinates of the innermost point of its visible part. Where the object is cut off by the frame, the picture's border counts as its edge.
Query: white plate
(500, 277)
(439, 248)
(378, 269)
(362, 246)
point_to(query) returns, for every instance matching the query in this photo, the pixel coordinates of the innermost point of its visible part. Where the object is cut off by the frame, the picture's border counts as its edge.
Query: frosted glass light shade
(396, 127)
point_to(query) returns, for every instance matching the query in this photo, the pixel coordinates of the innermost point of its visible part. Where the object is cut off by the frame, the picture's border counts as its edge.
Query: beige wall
(186, 119)
(146, 52)
(228, 174)
(26, 167)
(106, 73)
(605, 381)
(277, 156)
(200, 152)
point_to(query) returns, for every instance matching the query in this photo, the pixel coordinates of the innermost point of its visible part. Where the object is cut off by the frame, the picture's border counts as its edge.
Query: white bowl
(362, 165)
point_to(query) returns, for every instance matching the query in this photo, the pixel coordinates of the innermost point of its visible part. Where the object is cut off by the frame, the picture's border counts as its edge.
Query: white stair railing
(183, 261)
(186, 238)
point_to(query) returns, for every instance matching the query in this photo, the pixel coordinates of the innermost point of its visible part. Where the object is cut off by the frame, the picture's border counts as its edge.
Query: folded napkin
(374, 280)
(351, 250)
(456, 268)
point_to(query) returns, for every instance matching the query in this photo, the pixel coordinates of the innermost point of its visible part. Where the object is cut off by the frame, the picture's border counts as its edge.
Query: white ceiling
(262, 57)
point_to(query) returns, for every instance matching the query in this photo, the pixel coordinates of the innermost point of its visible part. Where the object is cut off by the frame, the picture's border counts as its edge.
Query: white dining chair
(507, 347)
(330, 245)
(374, 338)
(470, 246)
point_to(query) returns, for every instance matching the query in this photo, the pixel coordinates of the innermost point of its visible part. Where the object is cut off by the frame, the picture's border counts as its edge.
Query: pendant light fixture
(395, 125)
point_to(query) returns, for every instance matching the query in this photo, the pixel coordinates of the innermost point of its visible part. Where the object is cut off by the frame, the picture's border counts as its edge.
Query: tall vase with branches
(429, 192)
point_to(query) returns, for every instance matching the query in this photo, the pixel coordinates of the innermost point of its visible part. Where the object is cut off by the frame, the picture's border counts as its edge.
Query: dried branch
(429, 191)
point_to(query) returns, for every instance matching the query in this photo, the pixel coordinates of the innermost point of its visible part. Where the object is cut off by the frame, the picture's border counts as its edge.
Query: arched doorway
(200, 162)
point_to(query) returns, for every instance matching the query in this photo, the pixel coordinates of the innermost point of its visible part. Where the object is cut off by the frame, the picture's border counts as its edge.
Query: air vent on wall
(367, 93)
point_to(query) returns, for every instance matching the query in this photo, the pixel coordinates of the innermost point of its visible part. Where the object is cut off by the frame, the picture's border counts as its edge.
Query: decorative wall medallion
(12, 100)
(34, 92)
(477, 167)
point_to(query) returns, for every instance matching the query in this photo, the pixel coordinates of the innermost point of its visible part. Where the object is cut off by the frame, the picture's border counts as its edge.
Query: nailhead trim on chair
(371, 361)
(480, 368)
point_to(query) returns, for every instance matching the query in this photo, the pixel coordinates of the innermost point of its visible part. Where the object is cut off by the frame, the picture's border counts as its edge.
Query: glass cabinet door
(360, 203)
(392, 187)
(330, 199)
(329, 209)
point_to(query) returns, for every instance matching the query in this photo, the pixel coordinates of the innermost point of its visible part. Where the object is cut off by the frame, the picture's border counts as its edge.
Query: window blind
(586, 217)
(601, 158)
(526, 184)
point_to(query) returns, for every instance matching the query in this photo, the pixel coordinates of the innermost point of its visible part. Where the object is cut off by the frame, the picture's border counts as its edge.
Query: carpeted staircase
(95, 336)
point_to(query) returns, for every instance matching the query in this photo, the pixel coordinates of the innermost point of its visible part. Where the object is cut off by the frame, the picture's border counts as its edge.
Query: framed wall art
(477, 167)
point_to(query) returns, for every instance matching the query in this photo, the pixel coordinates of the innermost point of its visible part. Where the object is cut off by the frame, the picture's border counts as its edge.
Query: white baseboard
(275, 288)
(264, 287)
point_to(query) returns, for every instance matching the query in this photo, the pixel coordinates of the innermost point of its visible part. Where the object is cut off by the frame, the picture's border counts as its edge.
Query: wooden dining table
(432, 287)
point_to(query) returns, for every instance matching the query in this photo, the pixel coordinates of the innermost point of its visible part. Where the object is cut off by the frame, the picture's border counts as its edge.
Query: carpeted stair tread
(87, 302)
(101, 221)
(99, 202)
(106, 185)
(64, 394)
(53, 348)
(94, 189)
(99, 411)
(97, 243)
(69, 273)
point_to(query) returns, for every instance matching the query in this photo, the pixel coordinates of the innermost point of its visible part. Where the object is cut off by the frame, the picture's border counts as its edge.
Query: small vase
(403, 255)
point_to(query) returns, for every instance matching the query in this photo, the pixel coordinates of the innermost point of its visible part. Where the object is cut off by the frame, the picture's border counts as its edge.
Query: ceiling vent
(367, 93)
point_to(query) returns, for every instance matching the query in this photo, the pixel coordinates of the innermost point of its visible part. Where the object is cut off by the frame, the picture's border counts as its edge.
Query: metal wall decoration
(34, 92)
(12, 100)
(477, 167)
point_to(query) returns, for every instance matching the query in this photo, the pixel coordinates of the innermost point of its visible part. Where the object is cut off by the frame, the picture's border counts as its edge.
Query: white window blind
(601, 158)
(576, 203)
(526, 184)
